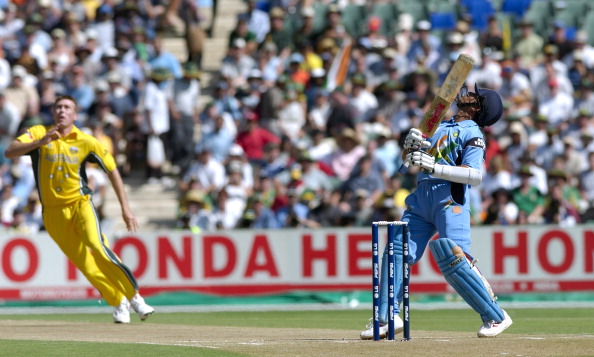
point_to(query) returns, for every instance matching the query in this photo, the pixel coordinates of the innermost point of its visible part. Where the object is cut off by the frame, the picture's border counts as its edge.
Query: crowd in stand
(282, 140)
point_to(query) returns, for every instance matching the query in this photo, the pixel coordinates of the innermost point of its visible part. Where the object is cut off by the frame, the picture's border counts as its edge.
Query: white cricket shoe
(368, 333)
(142, 309)
(121, 313)
(492, 328)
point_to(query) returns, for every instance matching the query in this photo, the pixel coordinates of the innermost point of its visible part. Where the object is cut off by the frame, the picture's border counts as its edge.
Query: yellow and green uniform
(68, 213)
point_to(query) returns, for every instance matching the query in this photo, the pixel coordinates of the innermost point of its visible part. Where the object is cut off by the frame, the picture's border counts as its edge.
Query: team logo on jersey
(456, 134)
(73, 150)
(456, 209)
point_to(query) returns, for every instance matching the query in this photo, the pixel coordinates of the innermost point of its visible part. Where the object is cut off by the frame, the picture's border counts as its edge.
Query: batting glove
(415, 140)
(422, 159)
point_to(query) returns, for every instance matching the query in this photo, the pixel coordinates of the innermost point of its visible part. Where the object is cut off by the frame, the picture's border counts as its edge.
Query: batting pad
(383, 310)
(467, 281)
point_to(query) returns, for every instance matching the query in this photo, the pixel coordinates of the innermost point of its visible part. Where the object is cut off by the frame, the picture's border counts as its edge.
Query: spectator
(164, 59)
(82, 92)
(560, 40)
(488, 73)
(404, 36)
(342, 114)
(186, 93)
(242, 31)
(236, 154)
(253, 138)
(518, 144)
(501, 210)
(206, 172)
(312, 177)
(226, 102)
(258, 20)
(574, 161)
(104, 26)
(539, 175)
(347, 154)
(10, 119)
(9, 202)
(364, 102)
(492, 37)
(529, 46)
(321, 145)
(319, 110)
(273, 162)
(156, 106)
(258, 215)
(224, 215)
(365, 178)
(409, 116)
(425, 43)
(297, 69)
(545, 154)
(236, 192)
(279, 34)
(33, 213)
(291, 116)
(251, 94)
(538, 136)
(195, 213)
(113, 70)
(586, 187)
(386, 151)
(515, 86)
(562, 206)
(61, 51)
(585, 97)
(530, 202)
(237, 65)
(219, 140)
(22, 95)
(295, 213)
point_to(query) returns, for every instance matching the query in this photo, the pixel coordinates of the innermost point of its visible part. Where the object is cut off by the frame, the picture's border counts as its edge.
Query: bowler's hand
(421, 159)
(51, 135)
(131, 222)
(415, 140)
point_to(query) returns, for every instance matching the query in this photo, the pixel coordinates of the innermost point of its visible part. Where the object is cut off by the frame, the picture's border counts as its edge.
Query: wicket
(391, 275)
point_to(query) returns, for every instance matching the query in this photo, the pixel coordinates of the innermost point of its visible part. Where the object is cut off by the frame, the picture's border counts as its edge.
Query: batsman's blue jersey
(441, 205)
(456, 144)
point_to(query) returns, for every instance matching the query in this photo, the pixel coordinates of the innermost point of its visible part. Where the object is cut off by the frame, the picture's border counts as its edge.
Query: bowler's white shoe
(368, 333)
(142, 309)
(493, 328)
(121, 313)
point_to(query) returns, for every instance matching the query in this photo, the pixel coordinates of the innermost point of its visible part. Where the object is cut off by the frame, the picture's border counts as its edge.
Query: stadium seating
(516, 7)
(353, 17)
(418, 10)
(388, 13)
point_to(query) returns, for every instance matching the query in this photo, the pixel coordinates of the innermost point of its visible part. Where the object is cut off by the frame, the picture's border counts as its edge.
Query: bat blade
(446, 94)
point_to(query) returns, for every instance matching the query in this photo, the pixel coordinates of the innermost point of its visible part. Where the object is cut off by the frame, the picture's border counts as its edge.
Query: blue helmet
(491, 107)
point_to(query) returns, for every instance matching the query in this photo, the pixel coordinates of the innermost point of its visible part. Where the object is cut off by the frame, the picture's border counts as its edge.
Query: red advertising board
(246, 262)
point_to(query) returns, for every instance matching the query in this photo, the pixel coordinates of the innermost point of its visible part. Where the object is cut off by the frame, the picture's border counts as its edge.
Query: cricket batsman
(59, 153)
(450, 160)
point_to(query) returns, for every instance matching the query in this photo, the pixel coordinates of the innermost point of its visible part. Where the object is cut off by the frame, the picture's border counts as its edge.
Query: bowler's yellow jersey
(59, 166)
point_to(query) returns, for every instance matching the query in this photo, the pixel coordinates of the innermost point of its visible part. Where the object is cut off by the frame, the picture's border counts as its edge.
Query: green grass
(526, 322)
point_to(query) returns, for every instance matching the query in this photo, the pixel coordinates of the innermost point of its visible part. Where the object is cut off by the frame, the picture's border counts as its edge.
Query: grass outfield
(535, 332)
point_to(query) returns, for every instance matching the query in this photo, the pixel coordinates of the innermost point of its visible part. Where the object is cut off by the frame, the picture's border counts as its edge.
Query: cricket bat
(446, 94)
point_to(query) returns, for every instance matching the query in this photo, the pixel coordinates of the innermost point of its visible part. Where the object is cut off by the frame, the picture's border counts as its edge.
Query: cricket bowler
(59, 153)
